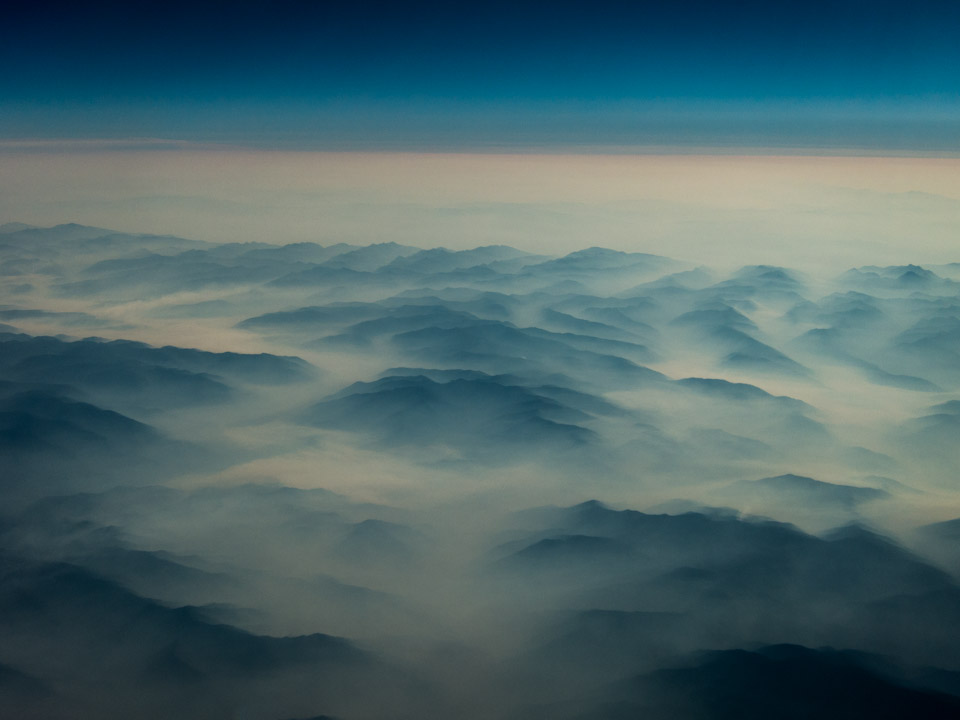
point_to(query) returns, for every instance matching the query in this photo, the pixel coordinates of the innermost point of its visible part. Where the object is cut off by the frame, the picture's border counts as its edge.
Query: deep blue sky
(870, 73)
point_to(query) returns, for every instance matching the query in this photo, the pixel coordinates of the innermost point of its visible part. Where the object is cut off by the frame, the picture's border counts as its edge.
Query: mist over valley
(251, 480)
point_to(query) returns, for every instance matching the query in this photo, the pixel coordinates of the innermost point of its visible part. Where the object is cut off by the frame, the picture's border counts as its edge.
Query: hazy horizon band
(752, 207)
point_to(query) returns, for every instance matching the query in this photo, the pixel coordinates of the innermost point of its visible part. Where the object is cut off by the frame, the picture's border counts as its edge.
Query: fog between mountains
(287, 481)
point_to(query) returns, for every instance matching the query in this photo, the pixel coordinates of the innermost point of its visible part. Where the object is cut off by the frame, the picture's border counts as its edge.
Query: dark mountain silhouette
(196, 665)
(475, 416)
(785, 681)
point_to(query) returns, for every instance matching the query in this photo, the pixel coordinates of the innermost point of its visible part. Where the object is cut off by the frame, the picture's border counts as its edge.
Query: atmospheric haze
(331, 469)
(720, 207)
(435, 360)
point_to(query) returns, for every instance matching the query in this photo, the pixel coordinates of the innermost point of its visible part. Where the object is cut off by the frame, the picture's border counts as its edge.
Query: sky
(860, 74)
(742, 131)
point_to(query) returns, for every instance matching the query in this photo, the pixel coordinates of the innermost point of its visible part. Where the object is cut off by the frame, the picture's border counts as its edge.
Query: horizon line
(81, 145)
